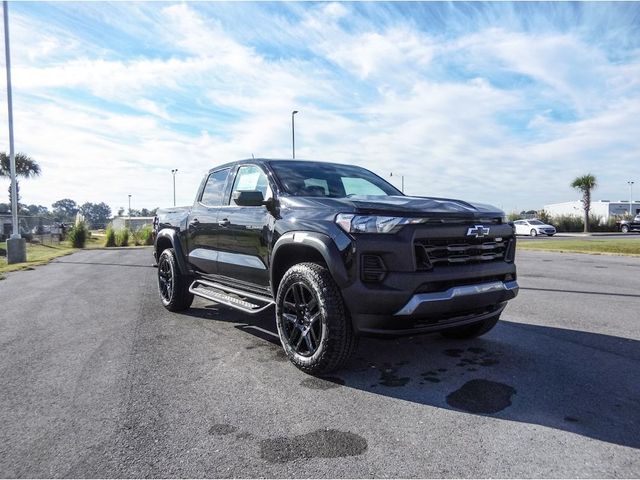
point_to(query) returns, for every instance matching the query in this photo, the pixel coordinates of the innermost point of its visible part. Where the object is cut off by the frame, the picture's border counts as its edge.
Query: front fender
(323, 244)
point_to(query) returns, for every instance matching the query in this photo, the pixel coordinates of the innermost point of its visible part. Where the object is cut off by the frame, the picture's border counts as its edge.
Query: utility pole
(129, 211)
(173, 172)
(293, 133)
(16, 246)
(402, 181)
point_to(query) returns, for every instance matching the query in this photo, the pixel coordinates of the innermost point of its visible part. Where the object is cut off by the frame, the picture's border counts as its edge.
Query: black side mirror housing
(248, 198)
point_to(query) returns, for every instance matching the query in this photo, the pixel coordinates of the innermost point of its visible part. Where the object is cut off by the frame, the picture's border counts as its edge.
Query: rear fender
(169, 238)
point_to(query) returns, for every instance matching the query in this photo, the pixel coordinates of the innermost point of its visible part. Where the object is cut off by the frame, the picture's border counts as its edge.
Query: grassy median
(36, 255)
(40, 254)
(625, 246)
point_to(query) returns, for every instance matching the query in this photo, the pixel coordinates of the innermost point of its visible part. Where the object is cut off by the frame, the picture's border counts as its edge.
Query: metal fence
(34, 229)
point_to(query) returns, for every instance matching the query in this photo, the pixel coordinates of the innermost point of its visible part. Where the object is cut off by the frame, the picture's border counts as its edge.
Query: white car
(534, 228)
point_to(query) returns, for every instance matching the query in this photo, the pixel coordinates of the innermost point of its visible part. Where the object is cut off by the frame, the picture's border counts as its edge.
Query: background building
(604, 209)
(136, 222)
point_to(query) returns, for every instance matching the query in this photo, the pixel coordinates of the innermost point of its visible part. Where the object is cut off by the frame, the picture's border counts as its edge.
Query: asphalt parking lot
(98, 380)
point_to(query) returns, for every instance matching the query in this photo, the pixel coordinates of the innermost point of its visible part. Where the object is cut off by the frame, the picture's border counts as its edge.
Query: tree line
(97, 215)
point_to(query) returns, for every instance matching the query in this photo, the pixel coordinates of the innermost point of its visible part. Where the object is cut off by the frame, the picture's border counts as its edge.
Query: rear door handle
(224, 222)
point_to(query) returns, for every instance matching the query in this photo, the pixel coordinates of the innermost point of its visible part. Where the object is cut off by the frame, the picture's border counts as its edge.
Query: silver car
(534, 228)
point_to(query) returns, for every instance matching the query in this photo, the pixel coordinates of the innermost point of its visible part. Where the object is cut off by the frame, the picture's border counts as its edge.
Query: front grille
(434, 252)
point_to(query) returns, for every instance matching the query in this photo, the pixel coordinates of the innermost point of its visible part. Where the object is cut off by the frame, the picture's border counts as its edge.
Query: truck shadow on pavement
(575, 381)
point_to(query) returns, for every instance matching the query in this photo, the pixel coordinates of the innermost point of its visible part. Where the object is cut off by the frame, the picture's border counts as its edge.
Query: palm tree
(26, 167)
(585, 184)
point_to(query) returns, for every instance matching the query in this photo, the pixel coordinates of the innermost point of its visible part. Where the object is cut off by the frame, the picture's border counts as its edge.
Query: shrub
(122, 237)
(568, 223)
(110, 237)
(513, 216)
(145, 235)
(543, 216)
(78, 235)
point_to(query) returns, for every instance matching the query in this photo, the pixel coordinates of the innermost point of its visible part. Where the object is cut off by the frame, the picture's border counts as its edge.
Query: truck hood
(399, 205)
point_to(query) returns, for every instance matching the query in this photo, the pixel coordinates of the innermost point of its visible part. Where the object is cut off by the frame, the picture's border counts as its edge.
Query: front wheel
(472, 330)
(313, 322)
(534, 232)
(624, 229)
(172, 286)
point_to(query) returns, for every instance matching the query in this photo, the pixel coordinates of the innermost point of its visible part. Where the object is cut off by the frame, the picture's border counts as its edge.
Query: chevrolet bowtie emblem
(478, 231)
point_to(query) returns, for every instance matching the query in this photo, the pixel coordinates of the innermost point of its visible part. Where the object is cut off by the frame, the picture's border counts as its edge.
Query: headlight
(351, 223)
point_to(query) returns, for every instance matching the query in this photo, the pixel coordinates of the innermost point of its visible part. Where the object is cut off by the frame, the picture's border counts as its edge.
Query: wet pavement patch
(317, 444)
(388, 378)
(222, 429)
(476, 350)
(481, 396)
(453, 352)
(322, 383)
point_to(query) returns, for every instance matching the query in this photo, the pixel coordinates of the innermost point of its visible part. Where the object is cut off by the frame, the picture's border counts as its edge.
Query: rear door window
(213, 192)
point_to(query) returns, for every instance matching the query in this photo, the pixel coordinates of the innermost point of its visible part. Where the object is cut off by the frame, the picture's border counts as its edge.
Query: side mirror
(248, 198)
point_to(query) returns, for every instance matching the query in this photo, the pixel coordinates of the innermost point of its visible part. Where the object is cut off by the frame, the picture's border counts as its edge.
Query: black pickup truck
(340, 252)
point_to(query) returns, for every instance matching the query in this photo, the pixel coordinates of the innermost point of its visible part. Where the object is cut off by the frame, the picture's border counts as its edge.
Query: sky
(499, 103)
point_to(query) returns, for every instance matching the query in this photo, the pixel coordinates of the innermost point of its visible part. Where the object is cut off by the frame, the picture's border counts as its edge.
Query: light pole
(630, 183)
(16, 246)
(293, 133)
(173, 172)
(129, 211)
(402, 180)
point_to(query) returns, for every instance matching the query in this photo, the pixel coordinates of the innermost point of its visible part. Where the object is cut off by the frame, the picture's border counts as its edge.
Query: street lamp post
(129, 211)
(173, 172)
(16, 246)
(402, 181)
(293, 133)
(630, 183)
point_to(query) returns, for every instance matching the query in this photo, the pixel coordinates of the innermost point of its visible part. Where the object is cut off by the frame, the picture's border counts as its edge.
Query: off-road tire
(472, 330)
(176, 296)
(338, 341)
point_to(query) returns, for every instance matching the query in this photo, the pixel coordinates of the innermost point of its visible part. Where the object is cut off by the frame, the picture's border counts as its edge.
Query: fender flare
(173, 237)
(320, 242)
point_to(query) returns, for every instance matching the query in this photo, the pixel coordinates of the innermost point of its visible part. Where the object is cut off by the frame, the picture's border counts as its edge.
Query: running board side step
(231, 297)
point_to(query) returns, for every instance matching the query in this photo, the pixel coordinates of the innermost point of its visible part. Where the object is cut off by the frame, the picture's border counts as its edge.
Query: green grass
(36, 255)
(42, 254)
(597, 246)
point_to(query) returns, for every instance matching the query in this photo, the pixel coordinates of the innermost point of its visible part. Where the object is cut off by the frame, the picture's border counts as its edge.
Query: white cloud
(386, 95)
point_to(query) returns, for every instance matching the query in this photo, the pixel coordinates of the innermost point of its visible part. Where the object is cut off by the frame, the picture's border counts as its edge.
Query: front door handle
(224, 222)
(194, 223)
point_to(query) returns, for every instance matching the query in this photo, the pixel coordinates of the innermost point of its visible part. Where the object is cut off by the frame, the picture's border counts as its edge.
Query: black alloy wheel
(173, 286)
(313, 322)
(303, 326)
(165, 279)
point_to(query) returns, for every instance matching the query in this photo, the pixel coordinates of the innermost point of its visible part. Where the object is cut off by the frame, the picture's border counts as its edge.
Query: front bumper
(474, 296)
(407, 300)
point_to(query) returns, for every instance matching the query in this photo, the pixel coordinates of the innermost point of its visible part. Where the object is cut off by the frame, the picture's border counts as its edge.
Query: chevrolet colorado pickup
(340, 253)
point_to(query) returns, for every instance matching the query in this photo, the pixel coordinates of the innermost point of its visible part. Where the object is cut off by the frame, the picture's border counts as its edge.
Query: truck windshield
(315, 179)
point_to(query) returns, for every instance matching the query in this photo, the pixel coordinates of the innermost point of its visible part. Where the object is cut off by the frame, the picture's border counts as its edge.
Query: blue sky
(502, 103)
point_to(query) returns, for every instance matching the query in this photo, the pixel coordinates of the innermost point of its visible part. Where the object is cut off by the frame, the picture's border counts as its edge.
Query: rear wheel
(624, 229)
(534, 232)
(313, 323)
(472, 330)
(172, 286)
